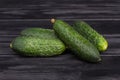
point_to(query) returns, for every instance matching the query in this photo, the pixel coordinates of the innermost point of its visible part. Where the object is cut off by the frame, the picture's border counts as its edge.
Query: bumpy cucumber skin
(77, 43)
(30, 46)
(93, 36)
(39, 32)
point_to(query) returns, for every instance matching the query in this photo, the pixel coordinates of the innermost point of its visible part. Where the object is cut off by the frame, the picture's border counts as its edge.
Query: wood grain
(64, 9)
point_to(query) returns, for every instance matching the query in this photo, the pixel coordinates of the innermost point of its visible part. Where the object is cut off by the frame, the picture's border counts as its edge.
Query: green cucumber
(92, 35)
(76, 42)
(33, 46)
(39, 32)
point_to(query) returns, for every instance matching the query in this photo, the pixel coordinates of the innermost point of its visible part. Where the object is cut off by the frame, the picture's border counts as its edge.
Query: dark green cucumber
(77, 43)
(33, 46)
(92, 35)
(39, 32)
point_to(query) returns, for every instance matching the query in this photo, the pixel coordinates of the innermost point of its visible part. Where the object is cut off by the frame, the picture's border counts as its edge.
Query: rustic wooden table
(16, 15)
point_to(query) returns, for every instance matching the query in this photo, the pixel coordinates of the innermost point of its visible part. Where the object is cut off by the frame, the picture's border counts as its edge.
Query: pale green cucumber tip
(104, 47)
(10, 45)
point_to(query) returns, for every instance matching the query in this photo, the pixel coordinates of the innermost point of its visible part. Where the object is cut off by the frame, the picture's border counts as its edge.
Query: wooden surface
(16, 15)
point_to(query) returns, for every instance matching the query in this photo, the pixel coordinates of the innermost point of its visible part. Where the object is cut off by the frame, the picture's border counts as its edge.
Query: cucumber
(92, 35)
(76, 42)
(39, 32)
(33, 46)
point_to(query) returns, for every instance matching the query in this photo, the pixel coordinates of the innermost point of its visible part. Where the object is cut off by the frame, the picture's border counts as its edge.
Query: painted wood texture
(67, 9)
(16, 15)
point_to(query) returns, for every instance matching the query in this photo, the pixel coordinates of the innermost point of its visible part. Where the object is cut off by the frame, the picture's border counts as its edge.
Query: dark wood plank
(63, 67)
(64, 9)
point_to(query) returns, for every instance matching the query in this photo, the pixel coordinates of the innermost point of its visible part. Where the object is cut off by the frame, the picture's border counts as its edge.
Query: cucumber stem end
(52, 20)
